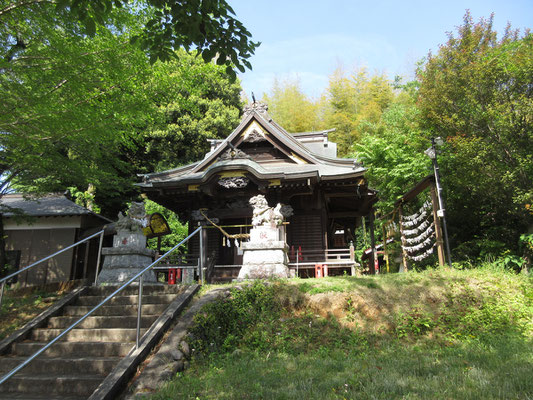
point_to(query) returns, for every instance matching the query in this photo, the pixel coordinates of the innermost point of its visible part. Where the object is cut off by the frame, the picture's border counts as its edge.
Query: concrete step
(127, 300)
(68, 384)
(74, 367)
(225, 274)
(134, 289)
(147, 309)
(222, 280)
(83, 365)
(67, 349)
(114, 321)
(85, 335)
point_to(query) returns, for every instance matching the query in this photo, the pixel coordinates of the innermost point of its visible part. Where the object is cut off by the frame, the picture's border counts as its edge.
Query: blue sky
(307, 40)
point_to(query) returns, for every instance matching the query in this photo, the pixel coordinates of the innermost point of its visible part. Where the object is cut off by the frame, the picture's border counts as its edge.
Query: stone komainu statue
(135, 220)
(265, 215)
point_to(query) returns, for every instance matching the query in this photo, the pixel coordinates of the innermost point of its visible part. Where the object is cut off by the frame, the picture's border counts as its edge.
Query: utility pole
(432, 153)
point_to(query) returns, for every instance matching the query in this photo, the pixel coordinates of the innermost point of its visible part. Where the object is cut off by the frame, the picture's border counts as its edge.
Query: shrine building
(328, 195)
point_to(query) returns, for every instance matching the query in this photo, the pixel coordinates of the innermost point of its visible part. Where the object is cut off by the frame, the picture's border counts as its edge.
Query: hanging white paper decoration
(424, 208)
(420, 257)
(418, 247)
(416, 231)
(419, 238)
(422, 230)
(419, 217)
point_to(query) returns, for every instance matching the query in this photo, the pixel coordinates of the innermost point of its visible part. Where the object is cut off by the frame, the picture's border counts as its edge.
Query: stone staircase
(225, 273)
(74, 367)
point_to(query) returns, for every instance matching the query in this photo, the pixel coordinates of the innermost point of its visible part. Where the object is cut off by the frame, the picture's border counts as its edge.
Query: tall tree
(195, 101)
(73, 93)
(341, 110)
(69, 102)
(355, 104)
(292, 108)
(393, 152)
(210, 27)
(73, 105)
(477, 93)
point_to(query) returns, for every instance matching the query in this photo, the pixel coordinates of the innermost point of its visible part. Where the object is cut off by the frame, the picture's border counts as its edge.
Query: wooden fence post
(352, 258)
(373, 257)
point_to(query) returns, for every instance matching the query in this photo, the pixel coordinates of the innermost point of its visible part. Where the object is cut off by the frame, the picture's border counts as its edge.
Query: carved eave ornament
(232, 154)
(254, 133)
(234, 182)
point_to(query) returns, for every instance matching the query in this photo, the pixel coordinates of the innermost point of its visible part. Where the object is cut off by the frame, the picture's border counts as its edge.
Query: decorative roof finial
(253, 97)
(256, 106)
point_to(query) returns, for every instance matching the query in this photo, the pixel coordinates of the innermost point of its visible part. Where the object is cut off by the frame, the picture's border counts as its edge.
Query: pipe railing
(5, 279)
(138, 276)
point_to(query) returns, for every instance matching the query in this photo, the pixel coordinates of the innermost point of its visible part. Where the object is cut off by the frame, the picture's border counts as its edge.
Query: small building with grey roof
(37, 227)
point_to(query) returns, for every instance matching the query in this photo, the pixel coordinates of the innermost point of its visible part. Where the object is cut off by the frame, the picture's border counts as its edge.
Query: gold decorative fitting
(232, 174)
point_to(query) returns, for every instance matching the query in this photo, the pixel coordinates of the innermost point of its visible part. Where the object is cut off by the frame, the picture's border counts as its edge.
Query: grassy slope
(18, 309)
(432, 335)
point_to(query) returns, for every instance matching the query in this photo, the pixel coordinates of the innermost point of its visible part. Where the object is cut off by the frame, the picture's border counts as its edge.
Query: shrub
(413, 323)
(221, 325)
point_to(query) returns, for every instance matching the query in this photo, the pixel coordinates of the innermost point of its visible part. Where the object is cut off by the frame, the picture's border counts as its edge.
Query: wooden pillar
(86, 259)
(373, 255)
(404, 255)
(385, 254)
(438, 227)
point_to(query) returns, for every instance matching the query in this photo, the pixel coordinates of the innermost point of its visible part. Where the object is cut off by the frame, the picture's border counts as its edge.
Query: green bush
(413, 323)
(221, 325)
(487, 312)
(266, 317)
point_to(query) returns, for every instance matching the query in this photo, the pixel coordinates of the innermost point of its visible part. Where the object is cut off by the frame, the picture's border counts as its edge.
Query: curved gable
(258, 129)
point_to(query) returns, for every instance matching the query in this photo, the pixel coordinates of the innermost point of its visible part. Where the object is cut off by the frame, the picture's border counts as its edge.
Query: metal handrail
(5, 279)
(67, 330)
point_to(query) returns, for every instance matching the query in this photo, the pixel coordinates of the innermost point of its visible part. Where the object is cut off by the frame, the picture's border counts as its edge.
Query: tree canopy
(350, 103)
(292, 108)
(68, 101)
(83, 106)
(209, 27)
(393, 152)
(355, 103)
(195, 101)
(476, 93)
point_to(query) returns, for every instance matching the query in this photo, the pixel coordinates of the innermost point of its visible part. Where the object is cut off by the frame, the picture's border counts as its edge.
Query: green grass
(18, 309)
(434, 335)
(500, 370)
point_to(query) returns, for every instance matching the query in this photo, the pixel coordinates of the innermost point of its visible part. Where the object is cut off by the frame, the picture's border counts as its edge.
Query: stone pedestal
(126, 258)
(265, 255)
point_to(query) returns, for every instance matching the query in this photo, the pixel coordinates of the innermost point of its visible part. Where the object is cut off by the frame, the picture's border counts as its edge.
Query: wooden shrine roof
(263, 149)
